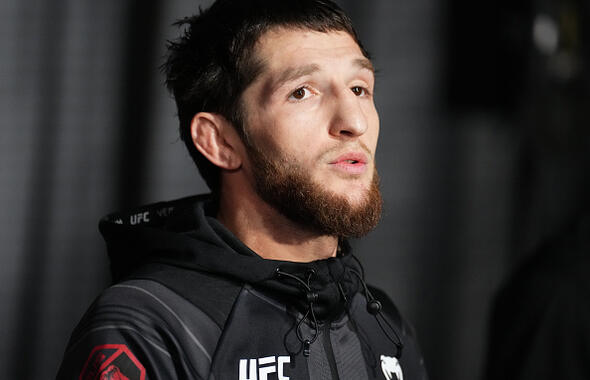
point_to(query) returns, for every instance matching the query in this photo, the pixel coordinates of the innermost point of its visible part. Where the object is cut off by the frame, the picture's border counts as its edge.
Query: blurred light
(545, 34)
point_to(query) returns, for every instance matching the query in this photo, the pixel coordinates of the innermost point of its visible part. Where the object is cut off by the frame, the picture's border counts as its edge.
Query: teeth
(351, 161)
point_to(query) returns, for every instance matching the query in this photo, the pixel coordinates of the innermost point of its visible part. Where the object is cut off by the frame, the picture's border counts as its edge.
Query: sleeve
(116, 351)
(133, 333)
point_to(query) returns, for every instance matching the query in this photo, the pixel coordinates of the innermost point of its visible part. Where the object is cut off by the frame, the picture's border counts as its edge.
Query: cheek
(376, 137)
(298, 133)
(372, 134)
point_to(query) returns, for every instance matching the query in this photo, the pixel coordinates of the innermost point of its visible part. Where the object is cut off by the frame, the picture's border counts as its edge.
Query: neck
(269, 233)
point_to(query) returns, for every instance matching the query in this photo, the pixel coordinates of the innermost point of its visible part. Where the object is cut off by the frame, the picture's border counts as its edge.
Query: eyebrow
(364, 63)
(294, 73)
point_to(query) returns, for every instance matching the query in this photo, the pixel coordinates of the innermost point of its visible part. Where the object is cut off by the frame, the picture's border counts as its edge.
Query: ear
(215, 137)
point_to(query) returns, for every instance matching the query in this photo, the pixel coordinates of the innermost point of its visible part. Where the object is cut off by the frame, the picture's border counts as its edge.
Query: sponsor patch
(112, 362)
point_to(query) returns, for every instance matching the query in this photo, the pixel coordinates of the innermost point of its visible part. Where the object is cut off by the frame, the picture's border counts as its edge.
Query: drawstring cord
(374, 308)
(311, 297)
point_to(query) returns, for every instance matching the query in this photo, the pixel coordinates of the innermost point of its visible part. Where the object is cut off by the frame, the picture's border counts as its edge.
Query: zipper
(327, 342)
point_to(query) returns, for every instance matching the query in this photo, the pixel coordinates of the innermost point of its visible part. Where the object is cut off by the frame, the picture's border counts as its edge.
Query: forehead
(281, 47)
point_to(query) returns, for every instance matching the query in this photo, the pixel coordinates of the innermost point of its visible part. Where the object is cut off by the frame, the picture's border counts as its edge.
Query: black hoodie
(191, 301)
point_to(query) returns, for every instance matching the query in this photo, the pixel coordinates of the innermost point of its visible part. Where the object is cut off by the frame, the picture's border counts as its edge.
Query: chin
(355, 195)
(357, 200)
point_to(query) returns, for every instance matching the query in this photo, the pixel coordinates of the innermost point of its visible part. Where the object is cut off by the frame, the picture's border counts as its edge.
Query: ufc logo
(260, 369)
(142, 217)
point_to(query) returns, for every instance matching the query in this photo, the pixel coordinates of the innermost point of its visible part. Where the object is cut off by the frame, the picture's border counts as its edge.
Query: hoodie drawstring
(374, 308)
(311, 297)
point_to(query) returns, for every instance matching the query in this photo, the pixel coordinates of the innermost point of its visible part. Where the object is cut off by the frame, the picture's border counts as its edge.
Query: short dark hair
(210, 65)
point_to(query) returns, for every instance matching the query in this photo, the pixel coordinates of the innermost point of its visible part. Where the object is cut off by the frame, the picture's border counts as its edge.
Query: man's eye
(300, 94)
(359, 91)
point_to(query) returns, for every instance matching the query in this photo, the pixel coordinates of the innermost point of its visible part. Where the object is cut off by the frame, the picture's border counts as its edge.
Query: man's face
(312, 130)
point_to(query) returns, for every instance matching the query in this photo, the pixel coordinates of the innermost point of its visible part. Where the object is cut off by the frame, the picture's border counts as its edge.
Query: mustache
(270, 151)
(347, 148)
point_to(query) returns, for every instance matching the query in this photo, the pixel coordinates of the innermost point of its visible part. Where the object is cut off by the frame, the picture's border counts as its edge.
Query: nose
(348, 119)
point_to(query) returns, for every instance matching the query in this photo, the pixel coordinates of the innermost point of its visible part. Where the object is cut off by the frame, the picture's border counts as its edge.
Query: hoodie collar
(184, 233)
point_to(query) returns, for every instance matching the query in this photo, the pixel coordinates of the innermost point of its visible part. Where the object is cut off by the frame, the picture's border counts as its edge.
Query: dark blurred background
(484, 154)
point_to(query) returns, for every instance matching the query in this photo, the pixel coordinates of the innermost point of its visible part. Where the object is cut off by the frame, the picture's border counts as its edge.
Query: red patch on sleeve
(112, 362)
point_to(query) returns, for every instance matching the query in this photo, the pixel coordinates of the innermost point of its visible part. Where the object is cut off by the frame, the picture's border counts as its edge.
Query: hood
(184, 233)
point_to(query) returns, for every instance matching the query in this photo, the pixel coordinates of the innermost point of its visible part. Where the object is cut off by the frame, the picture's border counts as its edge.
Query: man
(256, 281)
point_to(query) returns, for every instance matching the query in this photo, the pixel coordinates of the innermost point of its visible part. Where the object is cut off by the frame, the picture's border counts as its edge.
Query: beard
(290, 189)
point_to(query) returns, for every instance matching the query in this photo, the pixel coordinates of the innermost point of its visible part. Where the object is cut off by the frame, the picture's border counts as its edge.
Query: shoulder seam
(172, 312)
(120, 326)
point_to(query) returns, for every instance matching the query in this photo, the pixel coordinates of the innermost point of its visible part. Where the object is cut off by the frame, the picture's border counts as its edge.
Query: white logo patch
(390, 367)
(260, 369)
